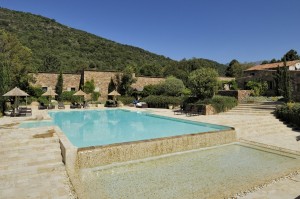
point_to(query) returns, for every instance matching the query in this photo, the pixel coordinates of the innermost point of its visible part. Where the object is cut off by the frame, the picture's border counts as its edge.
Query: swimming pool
(104, 127)
(217, 172)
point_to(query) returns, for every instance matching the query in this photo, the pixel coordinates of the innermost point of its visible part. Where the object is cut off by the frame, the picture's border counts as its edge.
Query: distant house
(266, 72)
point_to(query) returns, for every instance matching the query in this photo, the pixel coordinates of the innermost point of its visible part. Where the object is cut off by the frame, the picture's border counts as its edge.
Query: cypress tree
(59, 86)
(111, 86)
(283, 82)
(81, 82)
(5, 83)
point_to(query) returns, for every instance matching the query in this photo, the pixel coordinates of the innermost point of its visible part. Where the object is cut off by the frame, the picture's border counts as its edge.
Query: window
(44, 89)
(252, 74)
(73, 89)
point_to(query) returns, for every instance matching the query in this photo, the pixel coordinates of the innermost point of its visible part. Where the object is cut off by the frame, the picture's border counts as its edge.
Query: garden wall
(240, 95)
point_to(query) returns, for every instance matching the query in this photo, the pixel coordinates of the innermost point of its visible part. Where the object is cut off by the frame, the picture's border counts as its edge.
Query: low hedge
(220, 103)
(69, 96)
(289, 112)
(160, 101)
(126, 99)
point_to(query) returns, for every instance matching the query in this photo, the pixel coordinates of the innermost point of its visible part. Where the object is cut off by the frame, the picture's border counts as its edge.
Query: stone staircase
(256, 122)
(31, 167)
(264, 108)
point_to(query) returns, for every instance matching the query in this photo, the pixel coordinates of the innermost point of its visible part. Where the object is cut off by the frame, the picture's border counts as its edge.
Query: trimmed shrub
(289, 113)
(220, 103)
(69, 96)
(125, 99)
(43, 100)
(109, 103)
(258, 87)
(35, 91)
(160, 101)
(95, 96)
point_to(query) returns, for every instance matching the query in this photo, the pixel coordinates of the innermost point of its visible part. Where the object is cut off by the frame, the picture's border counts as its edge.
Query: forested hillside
(55, 46)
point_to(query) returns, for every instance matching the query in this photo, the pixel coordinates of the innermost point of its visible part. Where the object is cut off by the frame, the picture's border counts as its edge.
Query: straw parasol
(114, 94)
(50, 93)
(80, 93)
(16, 92)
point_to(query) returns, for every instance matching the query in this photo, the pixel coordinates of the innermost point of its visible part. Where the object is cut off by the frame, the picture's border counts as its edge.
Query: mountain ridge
(59, 46)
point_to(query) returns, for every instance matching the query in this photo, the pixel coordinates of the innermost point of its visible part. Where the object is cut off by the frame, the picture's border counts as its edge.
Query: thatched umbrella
(50, 93)
(80, 93)
(16, 92)
(114, 94)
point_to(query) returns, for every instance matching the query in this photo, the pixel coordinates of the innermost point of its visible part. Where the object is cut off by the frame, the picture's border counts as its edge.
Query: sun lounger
(61, 105)
(50, 106)
(75, 105)
(42, 106)
(195, 110)
(24, 111)
(142, 105)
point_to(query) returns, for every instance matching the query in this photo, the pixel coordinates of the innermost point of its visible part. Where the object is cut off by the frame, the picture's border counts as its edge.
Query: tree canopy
(291, 55)
(203, 82)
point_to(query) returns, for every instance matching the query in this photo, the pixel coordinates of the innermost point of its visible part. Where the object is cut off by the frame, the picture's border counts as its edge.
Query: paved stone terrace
(256, 123)
(31, 167)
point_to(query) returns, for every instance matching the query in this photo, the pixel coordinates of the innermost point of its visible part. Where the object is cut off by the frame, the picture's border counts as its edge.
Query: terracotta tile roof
(272, 66)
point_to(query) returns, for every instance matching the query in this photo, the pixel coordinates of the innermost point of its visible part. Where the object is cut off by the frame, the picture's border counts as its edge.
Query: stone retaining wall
(103, 155)
(101, 80)
(240, 95)
(49, 80)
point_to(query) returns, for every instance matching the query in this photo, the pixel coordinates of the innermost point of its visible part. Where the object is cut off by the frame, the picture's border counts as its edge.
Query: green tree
(59, 86)
(291, 55)
(203, 82)
(172, 86)
(89, 86)
(51, 64)
(126, 80)
(81, 81)
(15, 62)
(234, 69)
(111, 86)
(95, 95)
(258, 87)
(5, 83)
(283, 82)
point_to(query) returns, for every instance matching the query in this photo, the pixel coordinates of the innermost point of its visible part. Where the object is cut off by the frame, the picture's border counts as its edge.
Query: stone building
(101, 79)
(266, 72)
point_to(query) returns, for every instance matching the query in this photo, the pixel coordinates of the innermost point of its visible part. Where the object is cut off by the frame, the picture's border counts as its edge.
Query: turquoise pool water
(102, 127)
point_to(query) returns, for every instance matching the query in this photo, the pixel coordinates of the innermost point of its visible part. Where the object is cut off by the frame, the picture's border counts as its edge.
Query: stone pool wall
(102, 155)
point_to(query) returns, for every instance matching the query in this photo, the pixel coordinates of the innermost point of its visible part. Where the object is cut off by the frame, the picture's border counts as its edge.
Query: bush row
(220, 103)
(160, 101)
(289, 112)
(126, 99)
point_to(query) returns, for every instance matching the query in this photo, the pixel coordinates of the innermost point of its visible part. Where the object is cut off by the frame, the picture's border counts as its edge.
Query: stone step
(250, 110)
(25, 142)
(47, 189)
(28, 148)
(49, 159)
(23, 182)
(16, 173)
(244, 113)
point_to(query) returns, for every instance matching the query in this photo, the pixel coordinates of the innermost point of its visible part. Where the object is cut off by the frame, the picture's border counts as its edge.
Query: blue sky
(221, 30)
